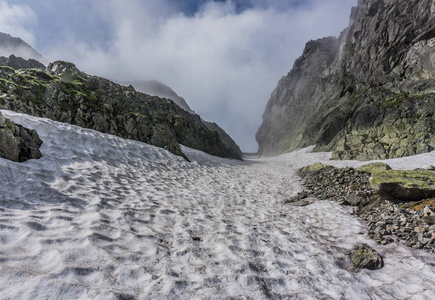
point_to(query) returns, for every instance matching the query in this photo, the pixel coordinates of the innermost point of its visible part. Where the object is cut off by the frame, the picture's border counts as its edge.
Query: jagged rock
(363, 256)
(429, 215)
(373, 167)
(20, 63)
(18, 143)
(404, 185)
(368, 95)
(64, 93)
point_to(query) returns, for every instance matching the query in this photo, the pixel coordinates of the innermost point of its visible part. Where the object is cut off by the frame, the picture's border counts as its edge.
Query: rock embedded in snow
(18, 143)
(365, 257)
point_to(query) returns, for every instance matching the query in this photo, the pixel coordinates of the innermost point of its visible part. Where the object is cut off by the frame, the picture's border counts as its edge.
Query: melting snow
(102, 217)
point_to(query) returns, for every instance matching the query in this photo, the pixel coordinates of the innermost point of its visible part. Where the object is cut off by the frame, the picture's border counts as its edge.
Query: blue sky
(224, 57)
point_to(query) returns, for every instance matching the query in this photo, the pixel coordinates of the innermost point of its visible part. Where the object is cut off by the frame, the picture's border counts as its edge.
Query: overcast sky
(224, 57)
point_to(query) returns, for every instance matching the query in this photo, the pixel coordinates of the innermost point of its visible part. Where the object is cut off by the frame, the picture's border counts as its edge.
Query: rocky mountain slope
(65, 94)
(156, 88)
(368, 94)
(14, 45)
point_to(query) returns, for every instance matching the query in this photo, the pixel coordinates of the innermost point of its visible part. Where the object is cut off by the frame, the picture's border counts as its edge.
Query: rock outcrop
(20, 63)
(367, 95)
(18, 143)
(65, 94)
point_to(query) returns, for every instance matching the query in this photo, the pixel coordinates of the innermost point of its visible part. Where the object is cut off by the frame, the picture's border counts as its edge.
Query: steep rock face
(18, 143)
(378, 92)
(65, 94)
(297, 96)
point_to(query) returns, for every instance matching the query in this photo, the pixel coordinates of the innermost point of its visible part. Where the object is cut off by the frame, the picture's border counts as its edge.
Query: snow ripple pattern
(100, 217)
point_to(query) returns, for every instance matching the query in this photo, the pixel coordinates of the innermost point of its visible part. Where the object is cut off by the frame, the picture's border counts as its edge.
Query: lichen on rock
(363, 256)
(403, 185)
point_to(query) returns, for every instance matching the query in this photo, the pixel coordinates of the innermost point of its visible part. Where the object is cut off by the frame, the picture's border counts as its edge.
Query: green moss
(421, 179)
(315, 167)
(373, 167)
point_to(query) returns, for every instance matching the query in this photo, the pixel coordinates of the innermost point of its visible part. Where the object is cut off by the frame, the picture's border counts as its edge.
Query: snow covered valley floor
(100, 217)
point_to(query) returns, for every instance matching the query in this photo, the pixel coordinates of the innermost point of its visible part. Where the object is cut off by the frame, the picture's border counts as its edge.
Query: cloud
(15, 19)
(225, 58)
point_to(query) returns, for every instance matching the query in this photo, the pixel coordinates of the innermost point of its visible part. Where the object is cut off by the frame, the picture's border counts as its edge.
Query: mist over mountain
(15, 45)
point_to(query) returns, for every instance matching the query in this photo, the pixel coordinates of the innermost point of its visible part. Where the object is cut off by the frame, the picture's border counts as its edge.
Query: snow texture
(100, 217)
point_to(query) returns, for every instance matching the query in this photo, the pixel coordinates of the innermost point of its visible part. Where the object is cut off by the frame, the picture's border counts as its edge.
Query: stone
(354, 200)
(419, 229)
(363, 256)
(429, 215)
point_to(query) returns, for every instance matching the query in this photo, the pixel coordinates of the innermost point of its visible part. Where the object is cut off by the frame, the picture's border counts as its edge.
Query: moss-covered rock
(404, 185)
(316, 167)
(363, 256)
(373, 167)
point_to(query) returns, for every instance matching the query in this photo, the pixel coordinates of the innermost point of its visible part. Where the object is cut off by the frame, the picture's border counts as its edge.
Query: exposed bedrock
(367, 95)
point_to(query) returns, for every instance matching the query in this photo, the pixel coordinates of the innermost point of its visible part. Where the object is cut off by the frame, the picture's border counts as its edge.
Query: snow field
(100, 217)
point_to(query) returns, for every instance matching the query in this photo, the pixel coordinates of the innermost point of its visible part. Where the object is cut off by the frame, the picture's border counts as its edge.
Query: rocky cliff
(65, 94)
(368, 94)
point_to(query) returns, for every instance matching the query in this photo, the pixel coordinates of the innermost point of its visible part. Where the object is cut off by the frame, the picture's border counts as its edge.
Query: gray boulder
(365, 257)
(18, 143)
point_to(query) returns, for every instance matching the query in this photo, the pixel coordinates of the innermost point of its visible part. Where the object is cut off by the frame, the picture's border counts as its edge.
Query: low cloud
(16, 19)
(225, 58)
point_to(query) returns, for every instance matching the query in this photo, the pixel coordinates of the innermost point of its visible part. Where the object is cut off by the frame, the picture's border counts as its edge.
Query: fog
(224, 57)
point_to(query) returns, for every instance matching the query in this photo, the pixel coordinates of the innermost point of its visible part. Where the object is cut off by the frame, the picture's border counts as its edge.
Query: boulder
(18, 143)
(373, 167)
(404, 185)
(429, 215)
(316, 167)
(363, 256)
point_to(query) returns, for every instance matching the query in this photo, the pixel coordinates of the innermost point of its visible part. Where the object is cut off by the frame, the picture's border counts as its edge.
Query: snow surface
(100, 217)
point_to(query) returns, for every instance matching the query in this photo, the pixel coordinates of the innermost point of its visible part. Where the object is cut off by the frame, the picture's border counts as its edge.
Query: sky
(223, 57)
